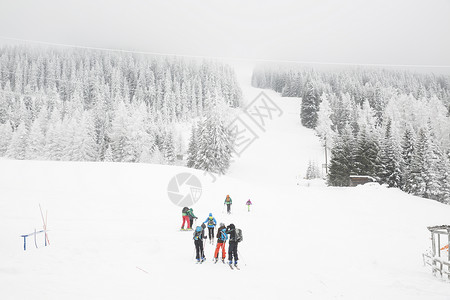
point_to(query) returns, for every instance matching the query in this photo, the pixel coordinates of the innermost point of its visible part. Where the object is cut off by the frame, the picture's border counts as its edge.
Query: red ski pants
(220, 245)
(186, 220)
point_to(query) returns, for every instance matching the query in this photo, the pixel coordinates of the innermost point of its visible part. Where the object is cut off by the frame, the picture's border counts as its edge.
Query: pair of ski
(231, 266)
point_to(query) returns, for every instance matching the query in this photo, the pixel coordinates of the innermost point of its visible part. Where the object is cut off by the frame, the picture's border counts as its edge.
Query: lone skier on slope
(222, 238)
(232, 248)
(248, 203)
(228, 202)
(199, 235)
(211, 225)
(185, 218)
(191, 216)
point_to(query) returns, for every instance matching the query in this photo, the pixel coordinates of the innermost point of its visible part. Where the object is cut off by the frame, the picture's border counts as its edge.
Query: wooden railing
(437, 265)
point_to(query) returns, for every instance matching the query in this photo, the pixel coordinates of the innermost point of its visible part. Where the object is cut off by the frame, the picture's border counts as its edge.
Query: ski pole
(240, 256)
(45, 226)
(203, 251)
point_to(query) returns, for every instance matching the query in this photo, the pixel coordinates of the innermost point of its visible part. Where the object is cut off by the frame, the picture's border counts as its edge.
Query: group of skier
(224, 233)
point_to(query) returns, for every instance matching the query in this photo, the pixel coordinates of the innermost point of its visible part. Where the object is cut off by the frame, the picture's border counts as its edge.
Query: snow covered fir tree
(80, 105)
(393, 125)
(211, 142)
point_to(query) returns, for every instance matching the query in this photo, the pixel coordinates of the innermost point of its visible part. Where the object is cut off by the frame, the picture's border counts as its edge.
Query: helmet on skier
(198, 229)
(222, 225)
(210, 214)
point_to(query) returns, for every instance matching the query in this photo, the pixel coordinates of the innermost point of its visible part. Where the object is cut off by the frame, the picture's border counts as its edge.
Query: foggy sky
(344, 31)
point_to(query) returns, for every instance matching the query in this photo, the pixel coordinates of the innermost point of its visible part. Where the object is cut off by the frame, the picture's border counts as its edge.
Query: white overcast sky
(341, 31)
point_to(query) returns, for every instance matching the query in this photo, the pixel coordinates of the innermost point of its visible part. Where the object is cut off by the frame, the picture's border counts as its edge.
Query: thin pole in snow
(45, 226)
(142, 270)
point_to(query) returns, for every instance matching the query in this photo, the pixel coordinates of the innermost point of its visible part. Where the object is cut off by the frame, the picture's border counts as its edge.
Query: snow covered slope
(114, 233)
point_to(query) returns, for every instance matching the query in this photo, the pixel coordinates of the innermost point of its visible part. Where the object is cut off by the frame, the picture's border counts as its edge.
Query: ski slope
(114, 233)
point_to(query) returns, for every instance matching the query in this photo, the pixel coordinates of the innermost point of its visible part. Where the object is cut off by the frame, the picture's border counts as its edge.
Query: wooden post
(433, 248)
(448, 251)
(439, 245)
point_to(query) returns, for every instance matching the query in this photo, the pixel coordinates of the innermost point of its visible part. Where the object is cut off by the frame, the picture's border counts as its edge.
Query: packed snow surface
(114, 233)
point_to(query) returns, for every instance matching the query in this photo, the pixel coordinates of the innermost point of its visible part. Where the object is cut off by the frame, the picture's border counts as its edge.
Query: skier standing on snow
(248, 203)
(232, 248)
(185, 218)
(228, 202)
(211, 225)
(191, 216)
(199, 235)
(221, 240)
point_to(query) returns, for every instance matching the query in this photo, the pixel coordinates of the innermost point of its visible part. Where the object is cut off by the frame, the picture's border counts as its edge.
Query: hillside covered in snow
(114, 233)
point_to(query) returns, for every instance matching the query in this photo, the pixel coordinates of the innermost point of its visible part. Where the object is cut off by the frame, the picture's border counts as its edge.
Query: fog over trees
(390, 124)
(83, 105)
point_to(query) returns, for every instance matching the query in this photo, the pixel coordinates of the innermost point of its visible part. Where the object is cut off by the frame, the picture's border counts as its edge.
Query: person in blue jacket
(211, 222)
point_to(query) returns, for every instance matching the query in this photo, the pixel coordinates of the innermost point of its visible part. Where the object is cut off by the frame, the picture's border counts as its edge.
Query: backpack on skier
(239, 237)
(198, 233)
(223, 235)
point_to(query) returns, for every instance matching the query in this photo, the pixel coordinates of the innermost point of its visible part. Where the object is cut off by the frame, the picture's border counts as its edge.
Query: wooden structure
(439, 257)
(360, 179)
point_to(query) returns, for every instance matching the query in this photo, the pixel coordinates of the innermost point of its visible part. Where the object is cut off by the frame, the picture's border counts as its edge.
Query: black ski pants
(233, 251)
(211, 233)
(229, 208)
(199, 249)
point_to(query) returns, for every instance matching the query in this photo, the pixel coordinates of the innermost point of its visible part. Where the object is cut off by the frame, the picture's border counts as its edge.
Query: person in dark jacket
(199, 236)
(191, 216)
(232, 248)
(221, 240)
